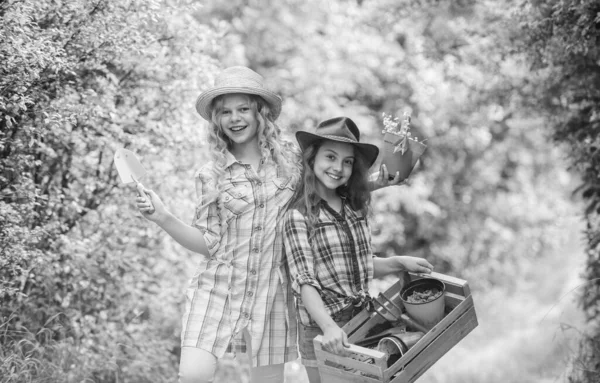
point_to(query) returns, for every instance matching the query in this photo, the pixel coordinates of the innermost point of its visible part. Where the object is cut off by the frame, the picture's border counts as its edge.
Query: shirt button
(250, 293)
(227, 198)
(255, 249)
(253, 271)
(258, 228)
(261, 205)
(246, 315)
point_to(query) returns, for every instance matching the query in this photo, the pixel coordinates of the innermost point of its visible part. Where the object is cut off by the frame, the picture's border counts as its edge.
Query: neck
(248, 153)
(331, 197)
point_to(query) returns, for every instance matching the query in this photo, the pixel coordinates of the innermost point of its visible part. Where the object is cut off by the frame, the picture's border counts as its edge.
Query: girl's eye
(349, 162)
(245, 109)
(331, 157)
(224, 112)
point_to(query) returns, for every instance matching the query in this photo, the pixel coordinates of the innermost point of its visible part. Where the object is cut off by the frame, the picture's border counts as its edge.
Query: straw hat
(237, 79)
(341, 129)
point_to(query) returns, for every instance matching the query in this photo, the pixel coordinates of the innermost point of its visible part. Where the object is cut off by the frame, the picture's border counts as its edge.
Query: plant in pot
(401, 151)
(424, 301)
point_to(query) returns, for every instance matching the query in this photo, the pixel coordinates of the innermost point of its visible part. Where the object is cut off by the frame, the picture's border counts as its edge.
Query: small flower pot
(396, 345)
(401, 162)
(417, 299)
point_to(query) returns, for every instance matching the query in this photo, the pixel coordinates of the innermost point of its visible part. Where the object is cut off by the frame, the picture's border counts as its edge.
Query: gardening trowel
(129, 167)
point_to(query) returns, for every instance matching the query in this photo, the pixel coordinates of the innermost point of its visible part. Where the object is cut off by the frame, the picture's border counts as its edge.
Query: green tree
(562, 40)
(77, 272)
(451, 64)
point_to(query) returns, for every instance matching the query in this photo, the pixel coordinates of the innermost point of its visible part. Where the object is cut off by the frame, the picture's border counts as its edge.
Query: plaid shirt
(337, 261)
(241, 285)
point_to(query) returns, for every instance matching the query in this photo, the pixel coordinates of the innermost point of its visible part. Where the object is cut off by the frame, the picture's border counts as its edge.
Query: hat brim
(204, 100)
(368, 151)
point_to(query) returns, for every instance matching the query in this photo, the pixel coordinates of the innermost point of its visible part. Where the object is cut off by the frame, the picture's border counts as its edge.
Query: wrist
(399, 264)
(329, 325)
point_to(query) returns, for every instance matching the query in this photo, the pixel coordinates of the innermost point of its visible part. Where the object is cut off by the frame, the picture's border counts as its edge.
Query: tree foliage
(562, 40)
(79, 79)
(85, 282)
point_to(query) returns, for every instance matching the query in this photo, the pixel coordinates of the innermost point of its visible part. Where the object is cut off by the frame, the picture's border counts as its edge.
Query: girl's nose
(235, 116)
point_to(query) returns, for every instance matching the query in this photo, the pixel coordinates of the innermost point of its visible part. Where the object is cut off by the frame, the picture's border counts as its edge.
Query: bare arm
(399, 263)
(186, 235)
(334, 338)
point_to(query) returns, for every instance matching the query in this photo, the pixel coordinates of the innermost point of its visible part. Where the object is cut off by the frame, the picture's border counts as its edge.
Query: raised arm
(186, 235)
(203, 235)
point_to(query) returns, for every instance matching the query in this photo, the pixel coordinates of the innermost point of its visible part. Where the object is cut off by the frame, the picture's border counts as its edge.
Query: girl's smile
(238, 120)
(333, 166)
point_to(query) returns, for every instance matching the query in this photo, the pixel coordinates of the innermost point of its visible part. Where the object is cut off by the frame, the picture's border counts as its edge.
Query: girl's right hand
(335, 340)
(149, 204)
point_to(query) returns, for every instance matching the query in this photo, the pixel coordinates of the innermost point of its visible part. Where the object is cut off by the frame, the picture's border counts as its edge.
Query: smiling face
(333, 166)
(238, 120)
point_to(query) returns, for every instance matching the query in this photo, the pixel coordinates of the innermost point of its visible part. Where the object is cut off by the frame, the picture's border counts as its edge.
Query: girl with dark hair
(327, 239)
(237, 301)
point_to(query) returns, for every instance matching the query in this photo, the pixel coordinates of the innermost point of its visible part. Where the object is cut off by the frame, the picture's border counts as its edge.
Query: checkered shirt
(242, 284)
(337, 261)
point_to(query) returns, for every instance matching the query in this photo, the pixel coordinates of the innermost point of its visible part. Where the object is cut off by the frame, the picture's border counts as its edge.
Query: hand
(335, 340)
(415, 264)
(381, 178)
(149, 204)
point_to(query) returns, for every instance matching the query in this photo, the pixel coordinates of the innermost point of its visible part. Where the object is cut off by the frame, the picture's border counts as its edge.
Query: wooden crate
(370, 366)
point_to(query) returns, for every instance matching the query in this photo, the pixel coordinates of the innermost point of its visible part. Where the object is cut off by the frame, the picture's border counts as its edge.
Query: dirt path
(528, 335)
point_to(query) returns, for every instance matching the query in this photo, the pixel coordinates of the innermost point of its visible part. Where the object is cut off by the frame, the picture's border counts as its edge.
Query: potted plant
(424, 301)
(401, 151)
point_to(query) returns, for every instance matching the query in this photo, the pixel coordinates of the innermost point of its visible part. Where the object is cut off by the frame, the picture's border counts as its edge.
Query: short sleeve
(298, 252)
(206, 216)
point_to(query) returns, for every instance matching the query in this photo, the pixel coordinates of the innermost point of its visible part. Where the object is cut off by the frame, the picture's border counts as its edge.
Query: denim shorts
(306, 334)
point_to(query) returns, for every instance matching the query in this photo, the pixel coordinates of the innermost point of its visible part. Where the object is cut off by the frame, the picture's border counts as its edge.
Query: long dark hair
(356, 191)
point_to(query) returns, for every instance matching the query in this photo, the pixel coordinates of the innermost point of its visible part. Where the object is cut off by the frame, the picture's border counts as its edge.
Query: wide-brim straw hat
(341, 129)
(237, 79)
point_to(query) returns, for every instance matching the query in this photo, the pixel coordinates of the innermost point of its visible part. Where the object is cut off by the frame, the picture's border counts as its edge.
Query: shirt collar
(229, 159)
(342, 213)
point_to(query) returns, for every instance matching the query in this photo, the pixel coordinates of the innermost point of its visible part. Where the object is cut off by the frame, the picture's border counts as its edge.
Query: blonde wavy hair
(273, 146)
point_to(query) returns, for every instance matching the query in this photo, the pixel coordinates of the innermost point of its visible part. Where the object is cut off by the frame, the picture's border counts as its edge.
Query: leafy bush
(77, 272)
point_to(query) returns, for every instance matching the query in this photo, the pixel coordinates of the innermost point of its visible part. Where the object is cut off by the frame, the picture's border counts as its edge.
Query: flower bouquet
(401, 151)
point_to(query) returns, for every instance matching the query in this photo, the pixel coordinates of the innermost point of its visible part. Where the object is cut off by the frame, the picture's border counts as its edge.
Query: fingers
(383, 174)
(337, 346)
(145, 199)
(390, 179)
(425, 266)
(143, 204)
(345, 342)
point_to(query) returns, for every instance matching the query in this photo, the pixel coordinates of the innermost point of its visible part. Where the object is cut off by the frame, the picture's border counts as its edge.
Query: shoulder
(294, 217)
(204, 174)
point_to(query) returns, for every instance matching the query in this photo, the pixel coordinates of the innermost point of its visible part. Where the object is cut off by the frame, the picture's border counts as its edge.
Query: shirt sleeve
(206, 216)
(298, 253)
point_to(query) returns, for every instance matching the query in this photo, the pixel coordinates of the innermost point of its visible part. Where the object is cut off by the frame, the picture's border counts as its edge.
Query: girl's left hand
(415, 264)
(381, 178)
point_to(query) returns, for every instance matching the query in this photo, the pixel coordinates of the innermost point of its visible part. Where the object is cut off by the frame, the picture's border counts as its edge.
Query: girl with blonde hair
(238, 299)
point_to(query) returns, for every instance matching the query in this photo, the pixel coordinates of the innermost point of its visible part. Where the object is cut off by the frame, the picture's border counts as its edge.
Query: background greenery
(506, 93)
